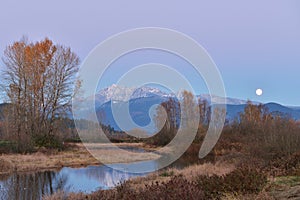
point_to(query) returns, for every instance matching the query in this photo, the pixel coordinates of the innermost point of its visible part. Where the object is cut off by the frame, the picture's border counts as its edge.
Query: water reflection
(31, 186)
(89, 179)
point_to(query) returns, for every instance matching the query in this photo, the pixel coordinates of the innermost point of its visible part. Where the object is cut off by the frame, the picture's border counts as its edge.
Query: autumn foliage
(38, 83)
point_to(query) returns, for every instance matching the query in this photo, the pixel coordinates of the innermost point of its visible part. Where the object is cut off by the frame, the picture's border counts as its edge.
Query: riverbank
(141, 183)
(75, 155)
(220, 180)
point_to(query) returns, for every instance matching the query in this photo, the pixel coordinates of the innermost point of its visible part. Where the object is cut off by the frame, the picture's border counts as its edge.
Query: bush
(7, 146)
(5, 166)
(48, 141)
(177, 188)
(245, 181)
(240, 181)
(284, 166)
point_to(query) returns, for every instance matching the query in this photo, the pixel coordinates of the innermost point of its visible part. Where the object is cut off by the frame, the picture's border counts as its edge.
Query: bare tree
(169, 117)
(204, 111)
(39, 82)
(190, 110)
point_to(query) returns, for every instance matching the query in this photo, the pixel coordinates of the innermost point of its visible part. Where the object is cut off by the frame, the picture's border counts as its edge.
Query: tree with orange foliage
(254, 117)
(39, 82)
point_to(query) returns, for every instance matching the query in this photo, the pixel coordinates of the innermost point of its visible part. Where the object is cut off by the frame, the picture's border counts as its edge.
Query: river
(88, 179)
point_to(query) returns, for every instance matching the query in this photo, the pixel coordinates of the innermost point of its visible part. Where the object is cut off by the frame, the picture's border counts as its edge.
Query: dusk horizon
(254, 45)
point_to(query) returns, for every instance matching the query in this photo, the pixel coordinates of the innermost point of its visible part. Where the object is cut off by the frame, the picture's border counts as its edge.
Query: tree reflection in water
(88, 179)
(32, 185)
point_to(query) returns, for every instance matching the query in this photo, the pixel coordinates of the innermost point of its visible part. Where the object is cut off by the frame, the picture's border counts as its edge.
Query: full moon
(259, 92)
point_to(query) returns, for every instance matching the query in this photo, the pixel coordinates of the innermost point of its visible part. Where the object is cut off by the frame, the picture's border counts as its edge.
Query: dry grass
(49, 160)
(5, 166)
(57, 196)
(188, 173)
(75, 156)
(108, 153)
(205, 169)
(260, 196)
(139, 183)
(64, 196)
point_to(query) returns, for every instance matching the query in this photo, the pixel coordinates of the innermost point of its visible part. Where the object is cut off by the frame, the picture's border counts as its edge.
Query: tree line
(262, 133)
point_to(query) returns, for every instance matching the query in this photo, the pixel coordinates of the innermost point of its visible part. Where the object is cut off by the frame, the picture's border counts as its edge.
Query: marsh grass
(194, 182)
(74, 156)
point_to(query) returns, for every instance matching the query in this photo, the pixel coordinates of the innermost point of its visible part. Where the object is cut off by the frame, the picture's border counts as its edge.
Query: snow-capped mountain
(122, 93)
(143, 98)
(149, 92)
(114, 92)
(140, 100)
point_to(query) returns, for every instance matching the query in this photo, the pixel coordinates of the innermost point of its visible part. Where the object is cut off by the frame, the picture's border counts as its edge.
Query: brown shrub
(240, 181)
(284, 166)
(5, 166)
(177, 188)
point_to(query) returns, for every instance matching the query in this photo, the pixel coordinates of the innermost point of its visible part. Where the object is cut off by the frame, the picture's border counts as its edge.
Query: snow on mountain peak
(123, 93)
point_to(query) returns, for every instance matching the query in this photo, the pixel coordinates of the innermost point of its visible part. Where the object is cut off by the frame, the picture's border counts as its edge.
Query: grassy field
(75, 155)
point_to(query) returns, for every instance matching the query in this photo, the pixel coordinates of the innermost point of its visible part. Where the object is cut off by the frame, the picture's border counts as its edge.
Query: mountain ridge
(123, 93)
(141, 103)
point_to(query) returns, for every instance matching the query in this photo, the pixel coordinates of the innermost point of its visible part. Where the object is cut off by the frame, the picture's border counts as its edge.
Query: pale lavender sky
(254, 44)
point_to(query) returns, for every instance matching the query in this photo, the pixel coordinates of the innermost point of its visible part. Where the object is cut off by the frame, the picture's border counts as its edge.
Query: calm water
(88, 179)
(34, 185)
